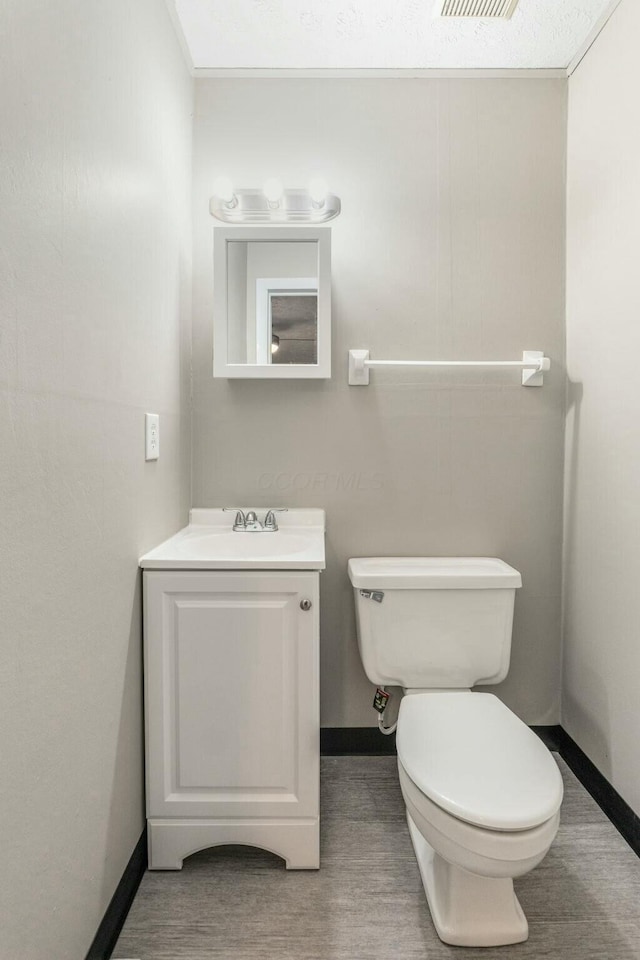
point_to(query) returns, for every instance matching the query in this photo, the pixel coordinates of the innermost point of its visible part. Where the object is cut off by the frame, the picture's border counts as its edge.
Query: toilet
(482, 792)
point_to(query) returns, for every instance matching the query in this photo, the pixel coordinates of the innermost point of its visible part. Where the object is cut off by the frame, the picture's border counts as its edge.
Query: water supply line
(380, 703)
(383, 729)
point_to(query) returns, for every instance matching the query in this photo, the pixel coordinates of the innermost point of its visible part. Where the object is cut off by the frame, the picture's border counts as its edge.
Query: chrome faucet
(249, 523)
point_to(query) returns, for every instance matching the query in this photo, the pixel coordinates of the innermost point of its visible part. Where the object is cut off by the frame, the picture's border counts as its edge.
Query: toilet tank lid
(432, 573)
(477, 760)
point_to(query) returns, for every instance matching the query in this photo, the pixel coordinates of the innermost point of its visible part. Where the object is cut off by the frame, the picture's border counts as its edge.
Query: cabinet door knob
(305, 605)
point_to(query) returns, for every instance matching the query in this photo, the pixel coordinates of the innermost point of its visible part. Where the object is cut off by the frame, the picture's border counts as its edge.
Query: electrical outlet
(151, 436)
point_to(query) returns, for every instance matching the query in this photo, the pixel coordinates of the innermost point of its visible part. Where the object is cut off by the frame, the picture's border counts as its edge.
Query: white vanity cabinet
(232, 712)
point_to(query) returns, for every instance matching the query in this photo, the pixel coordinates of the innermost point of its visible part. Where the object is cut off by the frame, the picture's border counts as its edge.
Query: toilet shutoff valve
(381, 700)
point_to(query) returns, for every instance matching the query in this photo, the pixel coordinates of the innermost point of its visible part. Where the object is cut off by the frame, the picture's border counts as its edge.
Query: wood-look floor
(367, 903)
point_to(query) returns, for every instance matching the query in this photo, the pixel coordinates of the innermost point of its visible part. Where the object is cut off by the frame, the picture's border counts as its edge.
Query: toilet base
(468, 910)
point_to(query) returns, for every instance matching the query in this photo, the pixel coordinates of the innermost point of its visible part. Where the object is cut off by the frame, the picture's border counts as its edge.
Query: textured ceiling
(380, 34)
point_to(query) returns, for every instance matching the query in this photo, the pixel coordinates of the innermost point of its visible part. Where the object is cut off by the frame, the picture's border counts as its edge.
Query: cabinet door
(231, 688)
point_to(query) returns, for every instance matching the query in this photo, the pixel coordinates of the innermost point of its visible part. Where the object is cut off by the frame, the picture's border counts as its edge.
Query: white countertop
(210, 543)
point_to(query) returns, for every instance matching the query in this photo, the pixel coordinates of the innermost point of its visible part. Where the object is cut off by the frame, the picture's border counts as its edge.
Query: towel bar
(533, 366)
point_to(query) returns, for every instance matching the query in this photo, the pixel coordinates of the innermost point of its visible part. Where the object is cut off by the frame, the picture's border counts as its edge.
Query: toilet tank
(434, 622)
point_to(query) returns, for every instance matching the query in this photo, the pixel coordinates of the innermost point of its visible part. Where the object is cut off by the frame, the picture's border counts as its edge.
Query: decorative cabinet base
(295, 840)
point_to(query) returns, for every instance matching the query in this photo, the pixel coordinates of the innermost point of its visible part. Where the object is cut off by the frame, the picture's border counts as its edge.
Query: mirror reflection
(272, 302)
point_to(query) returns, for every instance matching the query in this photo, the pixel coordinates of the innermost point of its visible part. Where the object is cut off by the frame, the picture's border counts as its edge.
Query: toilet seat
(475, 760)
(491, 853)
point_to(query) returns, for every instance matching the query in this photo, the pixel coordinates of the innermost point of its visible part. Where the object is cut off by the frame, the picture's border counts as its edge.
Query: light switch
(151, 436)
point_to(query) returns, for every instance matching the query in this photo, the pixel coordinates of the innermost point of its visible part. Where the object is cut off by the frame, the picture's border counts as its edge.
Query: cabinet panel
(236, 666)
(231, 674)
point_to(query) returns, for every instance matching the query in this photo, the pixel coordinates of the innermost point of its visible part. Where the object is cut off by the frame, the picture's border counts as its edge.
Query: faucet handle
(240, 522)
(270, 522)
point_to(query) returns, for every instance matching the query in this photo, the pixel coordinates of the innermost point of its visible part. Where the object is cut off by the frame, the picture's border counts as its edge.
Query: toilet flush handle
(377, 595)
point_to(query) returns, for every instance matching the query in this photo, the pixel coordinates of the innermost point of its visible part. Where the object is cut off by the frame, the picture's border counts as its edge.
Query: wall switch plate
(151, 436)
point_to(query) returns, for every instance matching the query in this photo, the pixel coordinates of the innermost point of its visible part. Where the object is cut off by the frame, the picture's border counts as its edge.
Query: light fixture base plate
(295, 206)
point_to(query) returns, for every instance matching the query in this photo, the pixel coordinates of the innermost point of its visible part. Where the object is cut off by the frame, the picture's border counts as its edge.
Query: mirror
(272, 311)
(272, 302)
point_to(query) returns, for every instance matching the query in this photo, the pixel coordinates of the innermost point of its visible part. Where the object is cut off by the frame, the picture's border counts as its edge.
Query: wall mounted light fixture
(273, 204)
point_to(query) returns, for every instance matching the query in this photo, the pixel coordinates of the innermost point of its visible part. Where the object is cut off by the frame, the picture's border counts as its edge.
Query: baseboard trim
(624, 819)
(550, 736)
(356, 741)
(368, 741)
(116, 913)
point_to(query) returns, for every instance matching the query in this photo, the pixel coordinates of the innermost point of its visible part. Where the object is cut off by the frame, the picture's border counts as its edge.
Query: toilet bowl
(484, 809)
(482, 792)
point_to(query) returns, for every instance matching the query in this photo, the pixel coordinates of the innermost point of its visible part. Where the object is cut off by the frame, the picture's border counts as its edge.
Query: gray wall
(450, 244)
(602, 558)
(95, 243)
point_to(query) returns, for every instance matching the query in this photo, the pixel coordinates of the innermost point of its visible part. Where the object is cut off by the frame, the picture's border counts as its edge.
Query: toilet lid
(475, 759)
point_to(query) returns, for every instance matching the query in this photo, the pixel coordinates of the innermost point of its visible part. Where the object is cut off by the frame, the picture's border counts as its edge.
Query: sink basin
(243, 546)
(209, 543)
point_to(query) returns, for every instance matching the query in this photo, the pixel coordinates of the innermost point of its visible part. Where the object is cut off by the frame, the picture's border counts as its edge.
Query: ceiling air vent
(493, 9)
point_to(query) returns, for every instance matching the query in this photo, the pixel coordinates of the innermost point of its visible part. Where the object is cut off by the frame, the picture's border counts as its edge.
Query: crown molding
(180, 37)
(599, 26)
(244, 73)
